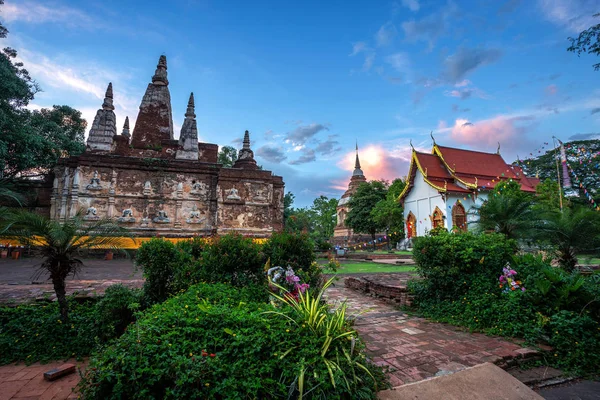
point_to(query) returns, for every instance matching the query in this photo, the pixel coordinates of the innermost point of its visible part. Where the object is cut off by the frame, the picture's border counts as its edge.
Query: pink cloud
(487, 133)
(551, 90)
(377, 163)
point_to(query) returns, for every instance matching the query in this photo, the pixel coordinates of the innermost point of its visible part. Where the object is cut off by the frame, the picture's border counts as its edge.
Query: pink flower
(513, 272)
(502, 278)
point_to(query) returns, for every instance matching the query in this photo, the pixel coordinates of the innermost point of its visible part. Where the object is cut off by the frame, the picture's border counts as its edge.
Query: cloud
(456, 108)
(429, 28)
(572, 15)
(369, 53)
(509, 131)
(412, 5)
(35, 13)
(274, 154)
(308, 156)
(551, 90)
(377, 162)
(595, 111)
(585, 136)
(465, 61)
(328, 147)
(301, 134)
(509, 6)
(386, 34)
(399, 61)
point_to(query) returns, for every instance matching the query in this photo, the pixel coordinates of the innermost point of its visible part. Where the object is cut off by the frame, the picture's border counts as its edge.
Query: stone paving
(21, 382)
(414, 348)
(20, 280)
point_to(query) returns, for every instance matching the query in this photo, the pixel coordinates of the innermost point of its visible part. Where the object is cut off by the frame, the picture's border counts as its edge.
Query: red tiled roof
(433, 165)
(475, 163)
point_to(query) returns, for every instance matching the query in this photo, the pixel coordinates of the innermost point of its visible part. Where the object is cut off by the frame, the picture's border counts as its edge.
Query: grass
(583, 260)
(403, 252)
(372, 268)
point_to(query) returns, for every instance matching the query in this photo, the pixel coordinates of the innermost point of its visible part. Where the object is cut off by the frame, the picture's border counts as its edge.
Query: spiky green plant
(572, 232)
(513, 216)
(61, 243)
(332, 327)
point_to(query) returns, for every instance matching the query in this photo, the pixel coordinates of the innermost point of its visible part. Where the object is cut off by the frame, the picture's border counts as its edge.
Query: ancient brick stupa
(154, 184)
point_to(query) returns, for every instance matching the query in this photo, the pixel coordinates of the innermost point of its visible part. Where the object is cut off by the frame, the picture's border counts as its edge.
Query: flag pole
(558, 173)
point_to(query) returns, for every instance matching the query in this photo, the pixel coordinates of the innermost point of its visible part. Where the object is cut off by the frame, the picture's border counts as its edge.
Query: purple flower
(522, 289)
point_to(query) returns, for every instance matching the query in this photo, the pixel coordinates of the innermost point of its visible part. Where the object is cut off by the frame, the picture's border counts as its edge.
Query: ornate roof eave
(436, 151)
(411, 176)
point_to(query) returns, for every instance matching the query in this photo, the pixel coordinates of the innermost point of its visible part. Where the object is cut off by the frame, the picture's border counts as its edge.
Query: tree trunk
(61, 297)
(374, 244)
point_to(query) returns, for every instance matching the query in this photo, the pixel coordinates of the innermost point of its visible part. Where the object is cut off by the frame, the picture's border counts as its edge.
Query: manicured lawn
(372, 268)
(583, 260)
(384, 252)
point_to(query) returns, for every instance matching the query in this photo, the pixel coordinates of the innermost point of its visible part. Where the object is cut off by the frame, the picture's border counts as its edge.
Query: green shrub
(557, 308)
(35, 332)
(215, 341)
(297, 251)
(115, 311)
(448, 261)
(231, 259)
(158, 259)
(575, 340)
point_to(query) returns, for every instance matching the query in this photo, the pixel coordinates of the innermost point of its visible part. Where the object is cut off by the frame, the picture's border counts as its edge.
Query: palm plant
(513, 216)
(571, 232)
(61, 243)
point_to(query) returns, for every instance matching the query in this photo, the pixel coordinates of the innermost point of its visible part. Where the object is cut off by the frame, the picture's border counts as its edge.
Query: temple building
(444, 185)
(342, 234)
(153, 184)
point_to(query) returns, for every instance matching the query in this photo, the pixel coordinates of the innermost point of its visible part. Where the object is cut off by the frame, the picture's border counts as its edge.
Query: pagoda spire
(104, 126)
(246, 155)
(108, 98)
(125, 131)
(188, 138)
(160, 75)
(154, 122)
(357, 170)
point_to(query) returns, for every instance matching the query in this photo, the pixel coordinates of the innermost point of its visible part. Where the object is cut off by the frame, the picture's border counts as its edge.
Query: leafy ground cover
(217, 341)
(464, 284)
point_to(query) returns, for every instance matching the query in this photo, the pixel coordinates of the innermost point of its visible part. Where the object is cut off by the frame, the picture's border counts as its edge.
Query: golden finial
(432, 138)
(498, 151)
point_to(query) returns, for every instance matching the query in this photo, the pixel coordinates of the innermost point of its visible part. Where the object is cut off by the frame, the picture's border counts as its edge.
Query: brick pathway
(21, 382)
(19, 280)
(414, 348)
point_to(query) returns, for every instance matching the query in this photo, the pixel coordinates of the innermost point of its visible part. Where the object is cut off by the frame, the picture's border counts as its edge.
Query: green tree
(389, 214)
(32, 141)
(513, 216)
(509, 188)
(61, 243)
(588, 42)
(359, 218)
(300, 220)
(288, 201)
(227, 156)
(572, 232)
(325, 217)
(547, 196)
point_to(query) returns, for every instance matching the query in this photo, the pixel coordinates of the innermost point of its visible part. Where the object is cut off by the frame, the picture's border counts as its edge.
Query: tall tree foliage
(588, 42)
(227, 156)
(361, 204)
(32, 141)
(389, 214)
(325, 217)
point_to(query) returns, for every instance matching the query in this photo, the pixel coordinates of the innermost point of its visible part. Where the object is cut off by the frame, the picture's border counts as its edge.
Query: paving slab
(583, 390)
(413, 348)
(484, 381)
(19, 382)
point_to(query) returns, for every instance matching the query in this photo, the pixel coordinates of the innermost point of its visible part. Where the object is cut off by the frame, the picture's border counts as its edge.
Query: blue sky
(311, 78)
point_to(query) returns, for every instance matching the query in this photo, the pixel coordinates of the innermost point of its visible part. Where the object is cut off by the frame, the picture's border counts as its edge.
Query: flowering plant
(508, 282)
(286, 279)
